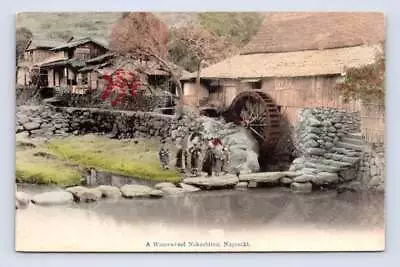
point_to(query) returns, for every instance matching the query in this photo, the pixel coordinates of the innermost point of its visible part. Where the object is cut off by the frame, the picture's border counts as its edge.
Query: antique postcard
(200, 131)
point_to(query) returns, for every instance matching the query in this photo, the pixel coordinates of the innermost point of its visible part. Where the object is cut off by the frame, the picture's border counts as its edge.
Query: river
(272, 219)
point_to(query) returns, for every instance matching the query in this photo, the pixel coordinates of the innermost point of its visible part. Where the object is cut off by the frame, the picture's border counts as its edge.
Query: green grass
(116, 156)
(39, 170)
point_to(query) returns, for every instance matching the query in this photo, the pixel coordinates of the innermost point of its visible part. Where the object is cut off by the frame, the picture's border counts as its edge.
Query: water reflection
(250, 215)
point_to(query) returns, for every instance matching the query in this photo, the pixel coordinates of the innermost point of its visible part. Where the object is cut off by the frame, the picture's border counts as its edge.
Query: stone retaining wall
(372, 167)
(61, 121)
(330, 147)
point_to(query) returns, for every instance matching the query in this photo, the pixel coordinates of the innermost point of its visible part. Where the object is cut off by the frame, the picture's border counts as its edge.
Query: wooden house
(36, 53)
(152, 74)
(63, 71)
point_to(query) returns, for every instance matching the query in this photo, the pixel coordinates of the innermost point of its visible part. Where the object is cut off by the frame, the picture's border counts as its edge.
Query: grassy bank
(63, 161)
(31, 168)
(122, 157)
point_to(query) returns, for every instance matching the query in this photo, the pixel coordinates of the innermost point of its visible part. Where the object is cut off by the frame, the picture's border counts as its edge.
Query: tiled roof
(38, 43)
(75, 63)
(74, 43)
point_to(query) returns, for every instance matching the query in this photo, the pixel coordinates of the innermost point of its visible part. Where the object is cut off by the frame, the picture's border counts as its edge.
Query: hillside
(95, 24)
(228, 31)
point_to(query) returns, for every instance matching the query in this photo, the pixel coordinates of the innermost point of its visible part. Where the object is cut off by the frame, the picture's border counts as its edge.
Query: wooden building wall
(91, 49)
(295, 93)
(23, 76)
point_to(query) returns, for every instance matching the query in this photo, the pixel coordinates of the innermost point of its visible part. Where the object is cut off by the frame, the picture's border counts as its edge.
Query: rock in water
(22, 200)
(109, 191)
(173, 190)
(163, 185)
(53, 198)
(134, 190)
(189, 188)
(210, 183)
(84, 194)
(75, 189)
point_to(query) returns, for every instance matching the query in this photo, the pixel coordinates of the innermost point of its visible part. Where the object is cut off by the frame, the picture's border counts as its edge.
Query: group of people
(211, 157)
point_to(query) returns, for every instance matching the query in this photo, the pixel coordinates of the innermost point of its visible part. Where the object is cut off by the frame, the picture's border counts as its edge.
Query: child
(163, 155)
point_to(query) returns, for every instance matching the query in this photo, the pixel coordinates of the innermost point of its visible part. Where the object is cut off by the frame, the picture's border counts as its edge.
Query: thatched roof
(297, 31)
(290, 64)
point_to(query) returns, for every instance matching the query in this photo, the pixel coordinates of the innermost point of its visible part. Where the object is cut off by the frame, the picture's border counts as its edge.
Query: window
(82, 53)
(252, 83)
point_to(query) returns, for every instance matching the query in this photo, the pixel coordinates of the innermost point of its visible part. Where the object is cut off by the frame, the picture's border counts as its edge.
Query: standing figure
(195, 159)
(226, 160)
(181, 159)
(218, 155)
(218, 160)
(208, 163)
(163, 155)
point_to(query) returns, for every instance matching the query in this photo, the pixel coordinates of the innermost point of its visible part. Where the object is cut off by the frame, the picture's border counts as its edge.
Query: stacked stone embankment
(51, 121)
(330, 147)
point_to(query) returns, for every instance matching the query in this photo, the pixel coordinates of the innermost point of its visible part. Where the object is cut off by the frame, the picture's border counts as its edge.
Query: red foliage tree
(140, 35)
(119, 85)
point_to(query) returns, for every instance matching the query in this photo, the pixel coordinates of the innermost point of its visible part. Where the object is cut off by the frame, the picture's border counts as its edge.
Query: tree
(191, 46)
(200, 47)
(140, 35)
(366, 83)
(23, 35)
(238, 27)
(120, 85)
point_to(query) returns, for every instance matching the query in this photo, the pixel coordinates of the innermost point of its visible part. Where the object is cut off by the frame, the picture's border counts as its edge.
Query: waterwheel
(256, 111)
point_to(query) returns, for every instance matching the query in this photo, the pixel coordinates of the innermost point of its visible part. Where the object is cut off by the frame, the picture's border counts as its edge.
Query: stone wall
(49, 121)
(372, 167)
(330, 148)
(62, 121)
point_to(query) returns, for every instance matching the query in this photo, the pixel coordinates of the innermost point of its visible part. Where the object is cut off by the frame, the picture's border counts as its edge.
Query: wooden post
(90, 80)
(198, 83)
(67, 75)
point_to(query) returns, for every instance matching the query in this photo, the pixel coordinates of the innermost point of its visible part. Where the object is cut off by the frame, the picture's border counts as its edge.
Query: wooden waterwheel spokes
(257, 112)
(257, 133)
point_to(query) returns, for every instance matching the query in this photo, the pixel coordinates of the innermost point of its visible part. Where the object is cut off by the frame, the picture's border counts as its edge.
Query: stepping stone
(134, 190)
(53, 198)
(214, 182)
(188, 187)
(109, 191)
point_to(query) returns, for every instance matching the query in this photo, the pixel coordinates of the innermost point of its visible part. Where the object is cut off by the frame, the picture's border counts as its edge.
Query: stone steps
(353, 141)
(340, 157)
(355, 136)
(331, 162)
(349, 146)
(322, 167)
(346, 152)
